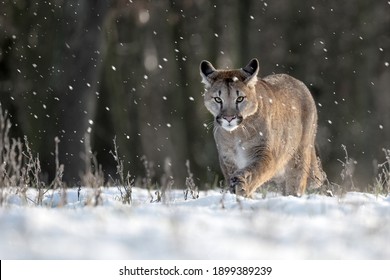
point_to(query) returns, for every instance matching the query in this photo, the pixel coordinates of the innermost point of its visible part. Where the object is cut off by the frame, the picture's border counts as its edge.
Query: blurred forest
(129, 69)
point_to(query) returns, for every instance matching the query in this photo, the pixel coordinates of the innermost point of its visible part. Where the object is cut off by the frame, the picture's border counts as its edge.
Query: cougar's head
(230, 94)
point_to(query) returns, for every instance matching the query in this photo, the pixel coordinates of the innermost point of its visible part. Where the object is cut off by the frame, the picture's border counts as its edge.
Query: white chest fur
(241, 157)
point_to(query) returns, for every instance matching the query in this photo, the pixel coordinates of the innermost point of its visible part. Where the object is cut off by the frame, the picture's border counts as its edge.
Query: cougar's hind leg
(298, 172)
(317, 176)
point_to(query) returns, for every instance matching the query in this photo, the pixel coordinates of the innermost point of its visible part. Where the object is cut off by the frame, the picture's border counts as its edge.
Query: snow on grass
(215, 226)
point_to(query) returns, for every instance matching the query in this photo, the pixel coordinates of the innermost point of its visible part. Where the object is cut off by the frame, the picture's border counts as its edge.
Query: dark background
(129, 69)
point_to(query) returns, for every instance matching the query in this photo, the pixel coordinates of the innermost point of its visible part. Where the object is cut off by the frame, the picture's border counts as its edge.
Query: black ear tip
(204, 64)
(254, 62)
(206, 67)
(252, 67)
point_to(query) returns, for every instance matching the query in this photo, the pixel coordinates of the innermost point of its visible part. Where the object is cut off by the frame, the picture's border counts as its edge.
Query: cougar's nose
(230, 118)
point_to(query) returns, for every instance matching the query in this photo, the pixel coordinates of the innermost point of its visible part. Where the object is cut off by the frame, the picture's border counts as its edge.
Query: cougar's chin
(230, 127)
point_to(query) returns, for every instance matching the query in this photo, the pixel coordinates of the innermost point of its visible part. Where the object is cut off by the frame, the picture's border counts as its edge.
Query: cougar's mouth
(229, 123)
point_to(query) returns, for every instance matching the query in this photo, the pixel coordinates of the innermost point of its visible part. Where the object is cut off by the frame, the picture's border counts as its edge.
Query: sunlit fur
(264, 129)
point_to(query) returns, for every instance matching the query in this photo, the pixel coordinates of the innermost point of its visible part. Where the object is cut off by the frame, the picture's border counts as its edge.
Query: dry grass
(20, 169)
(192, 188)
(125, 183)
(381, 183)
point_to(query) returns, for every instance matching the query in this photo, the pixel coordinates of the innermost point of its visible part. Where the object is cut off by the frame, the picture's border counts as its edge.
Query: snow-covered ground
(214, 226)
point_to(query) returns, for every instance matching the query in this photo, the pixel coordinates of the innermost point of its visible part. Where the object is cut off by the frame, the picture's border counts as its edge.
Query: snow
(214, 226)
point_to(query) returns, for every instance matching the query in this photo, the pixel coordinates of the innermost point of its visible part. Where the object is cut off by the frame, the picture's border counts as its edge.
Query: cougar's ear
(250, 72)
(206, 72)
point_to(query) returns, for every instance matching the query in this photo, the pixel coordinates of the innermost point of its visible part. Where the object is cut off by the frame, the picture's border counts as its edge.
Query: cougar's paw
(238, 183)
(240, 190)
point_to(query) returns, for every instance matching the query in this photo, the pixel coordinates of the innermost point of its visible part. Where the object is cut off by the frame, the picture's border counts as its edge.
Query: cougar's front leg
(245, 181)
(241, 181)
(227, 168)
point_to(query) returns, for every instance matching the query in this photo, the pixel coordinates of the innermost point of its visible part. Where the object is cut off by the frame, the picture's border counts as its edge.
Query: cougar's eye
(240, 99)
(218, 100)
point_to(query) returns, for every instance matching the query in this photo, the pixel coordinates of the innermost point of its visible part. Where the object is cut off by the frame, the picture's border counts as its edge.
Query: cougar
(264, 129)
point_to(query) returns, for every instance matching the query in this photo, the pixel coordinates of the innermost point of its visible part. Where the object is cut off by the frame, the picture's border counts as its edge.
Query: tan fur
(264, 129)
